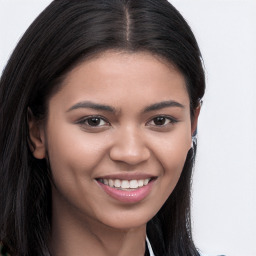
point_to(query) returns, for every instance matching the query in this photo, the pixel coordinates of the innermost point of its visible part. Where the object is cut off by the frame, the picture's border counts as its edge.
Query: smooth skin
(116, 114)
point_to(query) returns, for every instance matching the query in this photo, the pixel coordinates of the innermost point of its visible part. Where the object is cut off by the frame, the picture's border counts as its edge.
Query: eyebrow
(92, 105)
(163, 104)
(96, 106)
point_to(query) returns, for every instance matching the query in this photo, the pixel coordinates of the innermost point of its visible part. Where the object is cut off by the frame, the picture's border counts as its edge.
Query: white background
(224, 194)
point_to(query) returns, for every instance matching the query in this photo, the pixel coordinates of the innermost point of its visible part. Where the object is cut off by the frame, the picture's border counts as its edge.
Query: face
(116, 136)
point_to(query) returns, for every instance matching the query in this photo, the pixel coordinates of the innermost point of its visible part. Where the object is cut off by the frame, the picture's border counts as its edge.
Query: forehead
(120, 76)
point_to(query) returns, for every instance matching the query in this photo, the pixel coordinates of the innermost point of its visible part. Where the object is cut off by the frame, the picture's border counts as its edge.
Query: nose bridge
(129, 146)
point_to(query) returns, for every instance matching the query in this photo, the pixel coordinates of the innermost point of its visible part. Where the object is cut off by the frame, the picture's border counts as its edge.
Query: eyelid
(171, 118)
(82, 121)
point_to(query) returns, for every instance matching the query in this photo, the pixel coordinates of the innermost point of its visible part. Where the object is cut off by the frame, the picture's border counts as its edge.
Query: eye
(162, 121)
(93, 121)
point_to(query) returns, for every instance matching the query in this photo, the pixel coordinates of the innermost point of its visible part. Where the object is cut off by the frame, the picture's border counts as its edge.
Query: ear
(195, 120)
(36, 138)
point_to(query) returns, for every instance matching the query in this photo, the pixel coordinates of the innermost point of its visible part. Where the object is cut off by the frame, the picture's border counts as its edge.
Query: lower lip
(128, 196)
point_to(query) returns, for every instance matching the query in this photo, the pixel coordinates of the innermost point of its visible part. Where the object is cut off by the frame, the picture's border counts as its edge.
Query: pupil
(94, 121)
(159, 120)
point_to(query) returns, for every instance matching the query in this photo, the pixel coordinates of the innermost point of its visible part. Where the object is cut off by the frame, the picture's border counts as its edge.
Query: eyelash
(166, 118)
(85, 121)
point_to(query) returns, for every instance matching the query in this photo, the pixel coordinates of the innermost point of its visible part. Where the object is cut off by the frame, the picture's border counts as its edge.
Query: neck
(84, 236)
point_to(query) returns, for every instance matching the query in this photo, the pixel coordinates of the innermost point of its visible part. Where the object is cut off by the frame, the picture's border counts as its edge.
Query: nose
(129, 147)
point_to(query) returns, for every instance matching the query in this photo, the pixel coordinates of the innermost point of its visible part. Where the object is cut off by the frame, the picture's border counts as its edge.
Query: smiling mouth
(125, 184)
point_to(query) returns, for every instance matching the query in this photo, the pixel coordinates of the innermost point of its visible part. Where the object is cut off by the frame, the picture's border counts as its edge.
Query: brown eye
(160, 120)
(94, 121)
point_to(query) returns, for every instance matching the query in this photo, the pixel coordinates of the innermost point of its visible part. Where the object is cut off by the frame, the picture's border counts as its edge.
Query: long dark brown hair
(65, 33)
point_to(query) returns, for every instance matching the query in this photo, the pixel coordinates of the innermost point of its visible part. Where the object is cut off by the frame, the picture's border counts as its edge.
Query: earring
(193, 141)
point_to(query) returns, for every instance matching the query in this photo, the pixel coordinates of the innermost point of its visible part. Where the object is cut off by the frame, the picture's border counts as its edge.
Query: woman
(99, 104)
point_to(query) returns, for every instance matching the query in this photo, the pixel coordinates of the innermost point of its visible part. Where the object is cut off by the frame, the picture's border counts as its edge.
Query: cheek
(74, 156)
(171, 149)
(171, 152)
(73, 152)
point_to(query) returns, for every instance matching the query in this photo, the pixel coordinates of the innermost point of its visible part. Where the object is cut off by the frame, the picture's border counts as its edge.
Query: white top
(151, 253)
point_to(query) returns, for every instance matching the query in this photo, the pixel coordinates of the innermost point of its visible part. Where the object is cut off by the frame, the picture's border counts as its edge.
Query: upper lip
(128, 176)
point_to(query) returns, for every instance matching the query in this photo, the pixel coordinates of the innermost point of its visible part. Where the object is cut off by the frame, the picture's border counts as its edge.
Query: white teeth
(111, 183)
(125, 184)
(145, 182)
(140, 183)
(117, 183)
(134, 184)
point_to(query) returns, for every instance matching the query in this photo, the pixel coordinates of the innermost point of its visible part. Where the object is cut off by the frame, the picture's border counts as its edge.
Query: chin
(128, 220)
